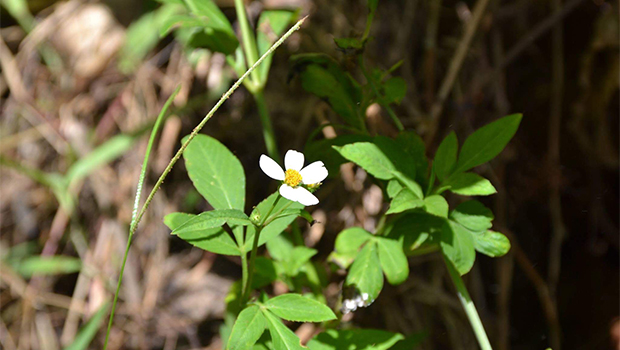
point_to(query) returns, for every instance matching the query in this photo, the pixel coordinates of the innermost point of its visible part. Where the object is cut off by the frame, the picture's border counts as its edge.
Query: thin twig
(455, 67)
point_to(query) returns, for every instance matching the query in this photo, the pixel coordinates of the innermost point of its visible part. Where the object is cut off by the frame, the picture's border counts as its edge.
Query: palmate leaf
(215, 172)
(487, 142)
(295, 307)
(248, 328)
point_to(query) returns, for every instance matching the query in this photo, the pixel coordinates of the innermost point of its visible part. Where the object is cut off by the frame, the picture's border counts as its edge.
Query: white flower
(295, 179)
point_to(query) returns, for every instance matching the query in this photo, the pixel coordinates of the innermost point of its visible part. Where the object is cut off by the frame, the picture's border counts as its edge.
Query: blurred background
(83, 81)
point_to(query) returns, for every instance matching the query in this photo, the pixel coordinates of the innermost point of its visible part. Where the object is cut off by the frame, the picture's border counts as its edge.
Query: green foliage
(393, 260)
(445, 158)
(214, 240)
(215, 172)
(271, 24)
(88, 332)
(279, 222)
(281, 336)
(487, 142)
(404, 200)
(213, 219)
(348, 244)
(473, 215)
(365, 273)
(457, 244)
(46, 265)
(294, 307)
(491, 243)
(436, 205)
(248, 328)
(354, 339)
(469, 184)
(321, 75)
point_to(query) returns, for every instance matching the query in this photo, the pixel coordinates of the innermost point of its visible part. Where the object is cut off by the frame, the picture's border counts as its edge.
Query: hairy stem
(469, 307)
(176, 157)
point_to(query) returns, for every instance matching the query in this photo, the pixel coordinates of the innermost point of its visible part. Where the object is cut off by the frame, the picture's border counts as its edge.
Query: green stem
(469, 307)
(176, 157)
(247, 37)
(268, 133)
(248, 285)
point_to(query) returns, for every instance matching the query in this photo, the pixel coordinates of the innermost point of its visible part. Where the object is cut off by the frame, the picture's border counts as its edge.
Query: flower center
(292, 177)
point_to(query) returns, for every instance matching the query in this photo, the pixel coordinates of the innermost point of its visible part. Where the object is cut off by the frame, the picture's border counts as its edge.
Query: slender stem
(469, 307)
(176, 157)
(268, 133)
(247, 37)
(248, 285)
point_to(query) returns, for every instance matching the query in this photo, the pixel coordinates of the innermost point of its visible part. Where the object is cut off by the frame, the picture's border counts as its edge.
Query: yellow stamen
(292, 177)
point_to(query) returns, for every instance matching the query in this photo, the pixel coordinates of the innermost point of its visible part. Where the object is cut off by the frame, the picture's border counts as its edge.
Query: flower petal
(313, 173)
(271, 168)
(298, 194)
(293, 160)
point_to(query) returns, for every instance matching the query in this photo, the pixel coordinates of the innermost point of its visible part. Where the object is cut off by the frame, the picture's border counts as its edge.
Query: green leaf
(445, 157)
(295, 307)
(181, 21)
(413, 146)
(271, 24)
(414, 229)
(216, 33)
(102, 155)
(404, 200)
(394, 90)
(354, 339)
(248, 328)
(370, 157)
(213, 219)
(491, 243)
(393, 260)
(280, 248)
(299, 257)
(457, 244)
(348, 244)
(393, 188)
(215, 172)
(281, 336)
(349, 45)
(88, 332)
(46, 265)
(436, 205)
(322, 150)
(174, 220)
(205, 232)
(336, 86)
(142, 36)
(469, 184)
(264, 272)
(473, 215)
(276, 226)
(487, 142)
(365, 273)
